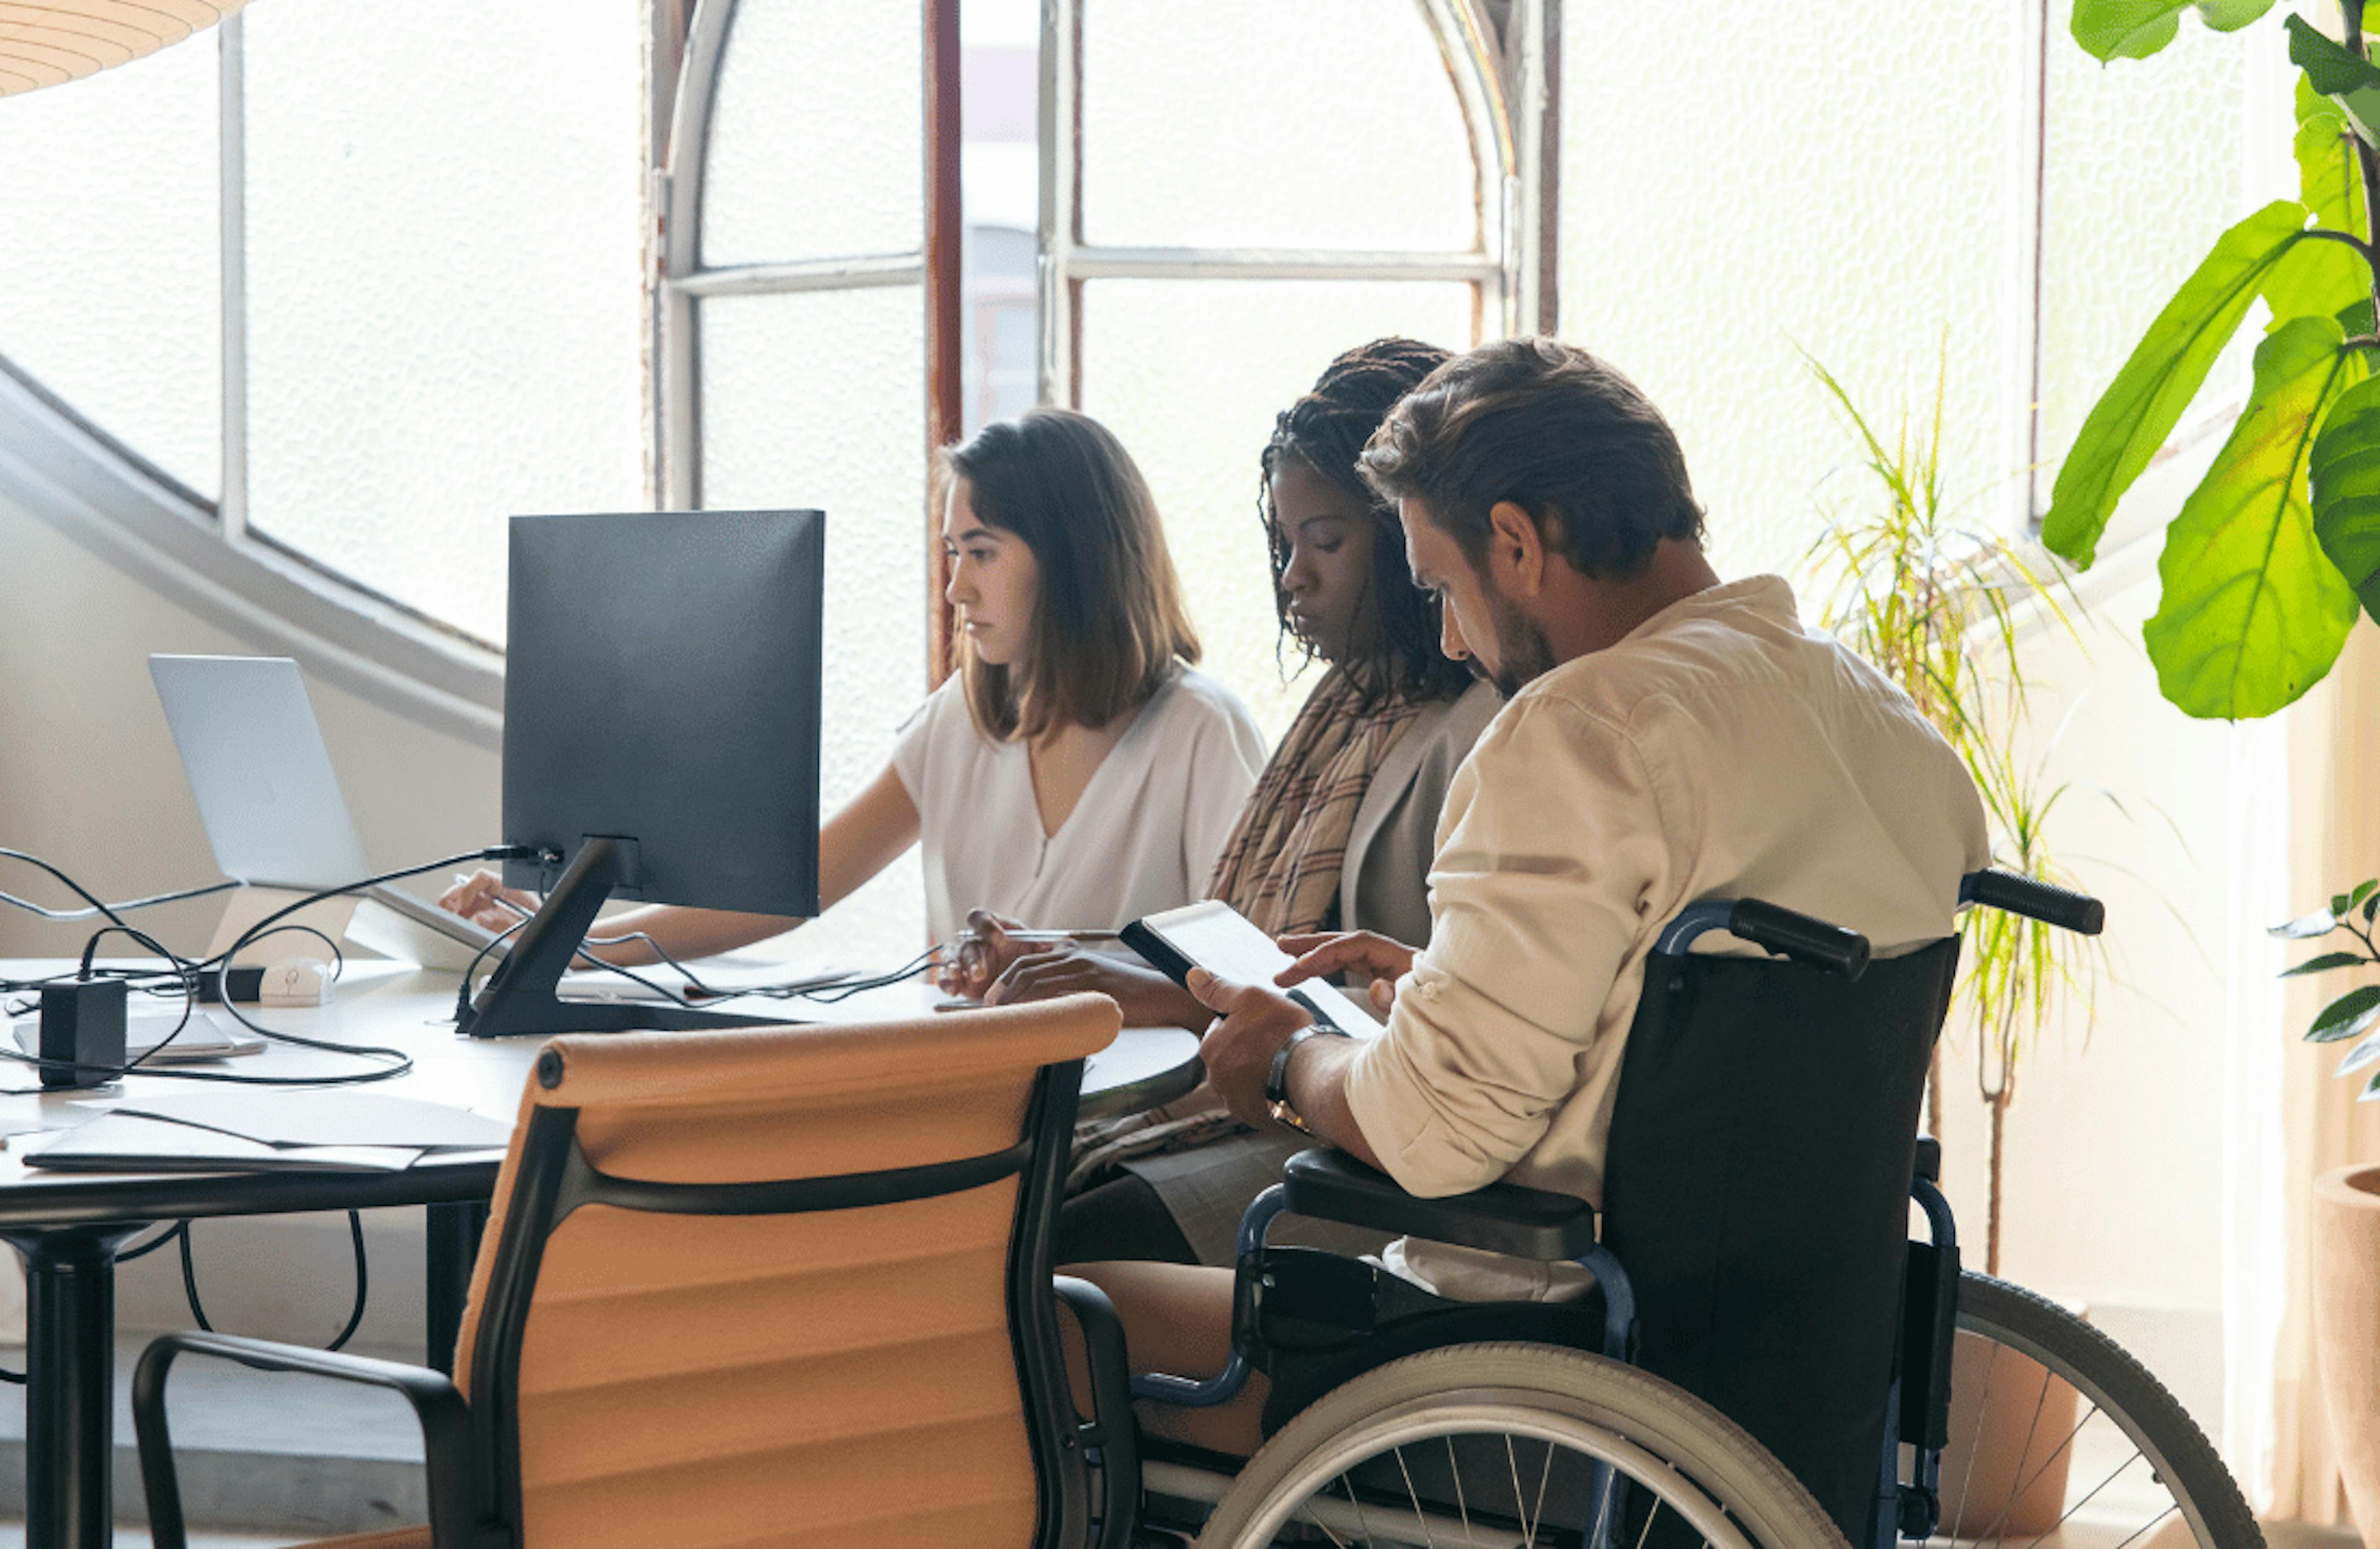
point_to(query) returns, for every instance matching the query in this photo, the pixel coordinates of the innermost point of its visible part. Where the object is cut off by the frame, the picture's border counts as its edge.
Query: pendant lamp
(43, 42)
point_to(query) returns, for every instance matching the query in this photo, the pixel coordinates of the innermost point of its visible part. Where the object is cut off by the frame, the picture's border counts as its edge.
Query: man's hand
(1251, 1023)
(1365, 952)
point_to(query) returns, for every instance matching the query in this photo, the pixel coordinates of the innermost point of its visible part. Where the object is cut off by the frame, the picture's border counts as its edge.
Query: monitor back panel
(259, 771)
(662, 685)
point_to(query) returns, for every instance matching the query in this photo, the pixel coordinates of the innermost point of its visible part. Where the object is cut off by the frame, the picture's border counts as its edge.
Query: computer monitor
(660, 736)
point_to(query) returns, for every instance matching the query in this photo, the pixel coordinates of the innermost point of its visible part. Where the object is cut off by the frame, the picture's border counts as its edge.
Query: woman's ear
(1516, 550)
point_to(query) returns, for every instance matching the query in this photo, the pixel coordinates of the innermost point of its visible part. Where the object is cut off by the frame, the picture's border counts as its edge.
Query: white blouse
(1143, 837)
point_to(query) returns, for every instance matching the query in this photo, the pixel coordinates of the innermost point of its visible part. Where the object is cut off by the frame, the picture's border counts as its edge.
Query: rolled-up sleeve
(1553, 855)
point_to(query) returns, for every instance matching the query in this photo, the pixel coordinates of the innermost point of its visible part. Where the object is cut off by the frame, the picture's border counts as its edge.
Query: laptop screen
(258, 770)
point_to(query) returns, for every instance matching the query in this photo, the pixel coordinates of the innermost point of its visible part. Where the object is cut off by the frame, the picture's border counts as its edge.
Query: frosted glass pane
(818, 400)
(1253, 123)
(817, 133)
(1862, 207)
(110, 253)
(1189, 375)
(444, 281)
(2121, 230)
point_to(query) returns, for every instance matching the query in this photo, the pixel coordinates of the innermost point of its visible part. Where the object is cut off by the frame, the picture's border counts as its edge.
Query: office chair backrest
(1756, 1190)
(788, 1284)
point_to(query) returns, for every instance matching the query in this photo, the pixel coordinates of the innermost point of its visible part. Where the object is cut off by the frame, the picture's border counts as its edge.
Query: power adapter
(82, 1032)
(243, 985)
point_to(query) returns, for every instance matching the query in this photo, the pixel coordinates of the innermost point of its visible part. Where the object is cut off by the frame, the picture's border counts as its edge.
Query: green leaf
(2371, 907)
(2346, 493)
(2346, 1016)
(2136, 29)
(2371, 1089)
(2252, 613)
(2353, 80)
(2140, 408)
(2323, 964)
(2362, 890)
(2324, 276)
(2340, 903)
(2360, 1056)
(2305, 927)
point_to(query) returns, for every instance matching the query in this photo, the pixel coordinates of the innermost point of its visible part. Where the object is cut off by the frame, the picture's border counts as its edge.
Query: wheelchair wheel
(2140, 1473)
(1514, 1445)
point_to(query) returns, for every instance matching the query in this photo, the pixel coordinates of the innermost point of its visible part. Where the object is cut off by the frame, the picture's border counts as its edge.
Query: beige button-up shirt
(1721, 750)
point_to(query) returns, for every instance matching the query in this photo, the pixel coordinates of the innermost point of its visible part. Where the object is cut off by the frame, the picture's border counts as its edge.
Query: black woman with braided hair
(1337, 835)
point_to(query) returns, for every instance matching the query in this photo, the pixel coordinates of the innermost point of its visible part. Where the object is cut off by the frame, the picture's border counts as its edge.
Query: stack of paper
(255, 1130)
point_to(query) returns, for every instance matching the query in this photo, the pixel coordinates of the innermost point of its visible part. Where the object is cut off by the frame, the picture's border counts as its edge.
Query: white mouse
(296, 981)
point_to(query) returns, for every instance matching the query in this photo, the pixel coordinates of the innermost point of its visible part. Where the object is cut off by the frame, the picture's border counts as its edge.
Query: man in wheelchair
(1669, 738)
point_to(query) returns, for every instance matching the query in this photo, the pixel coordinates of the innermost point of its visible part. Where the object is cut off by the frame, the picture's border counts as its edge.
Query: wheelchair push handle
(1802, 937)
(2043, 901)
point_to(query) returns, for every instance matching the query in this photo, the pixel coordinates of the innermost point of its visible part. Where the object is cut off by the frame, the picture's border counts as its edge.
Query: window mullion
(231, 215)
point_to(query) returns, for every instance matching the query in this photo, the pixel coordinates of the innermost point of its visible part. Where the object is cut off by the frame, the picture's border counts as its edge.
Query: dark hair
(1326, 430)
(1107, 621)
(1554, 431)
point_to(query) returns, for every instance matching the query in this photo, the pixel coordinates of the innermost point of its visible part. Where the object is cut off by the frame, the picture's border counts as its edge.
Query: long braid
(1327, 429)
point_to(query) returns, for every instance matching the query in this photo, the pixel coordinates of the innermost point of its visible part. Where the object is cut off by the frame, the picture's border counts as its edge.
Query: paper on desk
(122, 1142)
(327, 1118)
(602, 985)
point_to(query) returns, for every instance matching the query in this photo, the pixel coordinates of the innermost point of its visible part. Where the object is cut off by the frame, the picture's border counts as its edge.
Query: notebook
(119, 1142)
(1219, 938)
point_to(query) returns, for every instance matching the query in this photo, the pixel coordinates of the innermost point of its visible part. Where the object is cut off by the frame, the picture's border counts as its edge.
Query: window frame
(1511, 269)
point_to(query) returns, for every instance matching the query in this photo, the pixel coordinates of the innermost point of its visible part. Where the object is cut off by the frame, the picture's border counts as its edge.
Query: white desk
(68, 1226)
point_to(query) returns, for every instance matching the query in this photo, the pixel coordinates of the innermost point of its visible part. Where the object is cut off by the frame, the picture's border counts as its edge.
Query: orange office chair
(783, 1285)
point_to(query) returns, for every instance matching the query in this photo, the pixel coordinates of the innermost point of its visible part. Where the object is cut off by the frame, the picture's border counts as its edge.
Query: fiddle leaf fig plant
(2357, 1012)
(2270, 559)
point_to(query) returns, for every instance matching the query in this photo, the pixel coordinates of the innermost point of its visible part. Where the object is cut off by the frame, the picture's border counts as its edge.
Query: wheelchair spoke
(1421, 1517)
(2016, 1491)
(2083, 1502)
(1462, 1509)
(1974, 1441)
(1356, 1501)
(2156, 1521)
(1649, 1518)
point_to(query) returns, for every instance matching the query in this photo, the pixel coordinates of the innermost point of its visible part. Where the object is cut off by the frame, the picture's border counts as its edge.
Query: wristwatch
(1276, 1086)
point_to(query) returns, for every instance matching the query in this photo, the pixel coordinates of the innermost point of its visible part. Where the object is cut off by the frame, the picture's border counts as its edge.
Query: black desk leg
(69, 1384)
(454, 1246)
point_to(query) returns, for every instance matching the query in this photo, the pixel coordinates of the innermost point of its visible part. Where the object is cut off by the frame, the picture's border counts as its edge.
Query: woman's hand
(481, 898)
(1146, 997)
(981, 956)
(1364, 953)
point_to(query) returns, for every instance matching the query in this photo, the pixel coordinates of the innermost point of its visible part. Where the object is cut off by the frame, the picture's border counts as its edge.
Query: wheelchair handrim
(1509, 1412)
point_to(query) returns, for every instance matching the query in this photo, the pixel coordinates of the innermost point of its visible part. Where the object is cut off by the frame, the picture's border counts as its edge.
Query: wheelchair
(1764, 1356)
(793, 1286)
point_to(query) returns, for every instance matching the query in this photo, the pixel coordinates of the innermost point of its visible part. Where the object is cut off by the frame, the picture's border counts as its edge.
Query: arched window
(356, 294)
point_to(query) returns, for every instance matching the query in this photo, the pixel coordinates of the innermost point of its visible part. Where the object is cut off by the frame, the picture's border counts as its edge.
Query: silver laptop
(270, 800)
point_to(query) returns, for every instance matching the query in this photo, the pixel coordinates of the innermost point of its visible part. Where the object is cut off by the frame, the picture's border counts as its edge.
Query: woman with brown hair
(1338, 835)
(1075, 771)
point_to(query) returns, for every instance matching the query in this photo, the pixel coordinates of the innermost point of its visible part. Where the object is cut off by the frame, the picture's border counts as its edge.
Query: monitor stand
(518, 999)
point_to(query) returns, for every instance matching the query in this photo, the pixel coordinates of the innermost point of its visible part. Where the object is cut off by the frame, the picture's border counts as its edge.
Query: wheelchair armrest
(1500, 1218)
(454, 1518)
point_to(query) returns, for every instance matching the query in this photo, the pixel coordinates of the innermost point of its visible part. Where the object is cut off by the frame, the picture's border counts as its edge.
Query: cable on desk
(127, 907)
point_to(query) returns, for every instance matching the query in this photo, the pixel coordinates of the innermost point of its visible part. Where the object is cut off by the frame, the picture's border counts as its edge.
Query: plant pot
(2010, 1421)
(2347, 1329)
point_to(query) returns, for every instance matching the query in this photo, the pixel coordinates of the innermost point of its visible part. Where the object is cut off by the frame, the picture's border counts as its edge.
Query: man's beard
(1522, 652)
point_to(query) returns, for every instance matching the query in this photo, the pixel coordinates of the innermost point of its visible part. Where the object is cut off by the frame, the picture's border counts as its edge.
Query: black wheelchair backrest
(1756, 1189)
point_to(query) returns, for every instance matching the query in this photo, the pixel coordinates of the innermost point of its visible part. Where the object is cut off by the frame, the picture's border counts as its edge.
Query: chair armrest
(455, 1519)
(1500, 1218)
(1112, 1428)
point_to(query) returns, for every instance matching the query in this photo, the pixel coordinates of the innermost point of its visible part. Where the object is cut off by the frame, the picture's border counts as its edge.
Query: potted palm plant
(1936, 605)
(2347, 1207)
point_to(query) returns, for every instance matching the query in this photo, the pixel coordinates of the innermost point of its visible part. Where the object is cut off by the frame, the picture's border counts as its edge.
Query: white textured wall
(88, 779)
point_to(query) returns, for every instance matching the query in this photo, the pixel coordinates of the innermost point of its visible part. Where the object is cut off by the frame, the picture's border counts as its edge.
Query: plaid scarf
(1281, 865)
(1280, 868)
